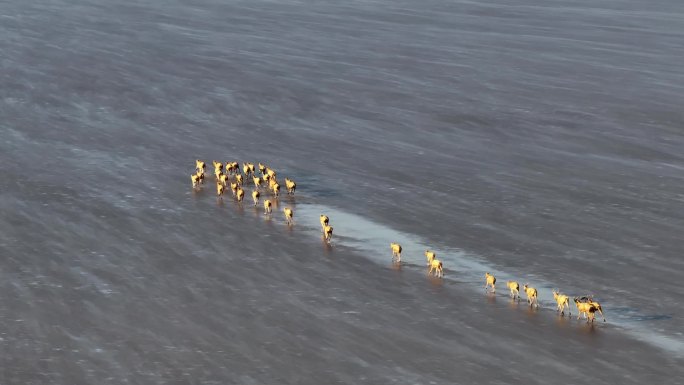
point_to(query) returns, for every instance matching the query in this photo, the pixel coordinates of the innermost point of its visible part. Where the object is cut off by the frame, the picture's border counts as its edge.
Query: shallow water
(539, 141)
(371, 239)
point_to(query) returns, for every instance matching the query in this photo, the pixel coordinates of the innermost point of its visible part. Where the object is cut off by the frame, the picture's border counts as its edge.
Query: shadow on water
(197, 193)
(562, 321)
(435, 282)
(531, 311)
(239, 209)
(268, 218)
(513, 304)
(327, 246)
(588, 328)
(257, 211)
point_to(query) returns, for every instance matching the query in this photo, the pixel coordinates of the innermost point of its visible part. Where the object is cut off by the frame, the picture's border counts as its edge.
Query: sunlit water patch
(372, 240)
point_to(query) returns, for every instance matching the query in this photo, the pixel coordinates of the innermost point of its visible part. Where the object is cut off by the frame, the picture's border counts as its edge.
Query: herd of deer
(585, 305)
(235, 179)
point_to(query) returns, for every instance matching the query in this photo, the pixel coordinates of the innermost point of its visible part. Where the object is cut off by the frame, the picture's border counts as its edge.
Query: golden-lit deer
(324, 221)
(598, 308)
(586, 308)
(288, 215)
(218, 166)
(271, 183)
(327, 233)
(437, 267)
(562, 302)
(255, 197)
(430, 256)
(531, 294)
(396, 251)
(267, 206)
(232, 167)
(257, 181)
(590, 300)
(291, 186)
(514, 287)
(490, 280)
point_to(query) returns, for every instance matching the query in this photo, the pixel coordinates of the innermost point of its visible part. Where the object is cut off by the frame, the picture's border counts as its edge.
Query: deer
(430, 256)
(531, 294)
(490, 280)
(562, 302)
(255, 197)
(291, 186)
(327, 233)
(437, 267)
(396, 251)
(288, 215)
(324, 221)
(514, 287)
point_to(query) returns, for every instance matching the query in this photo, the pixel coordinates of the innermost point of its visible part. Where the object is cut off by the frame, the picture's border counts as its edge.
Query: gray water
(537, 140)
